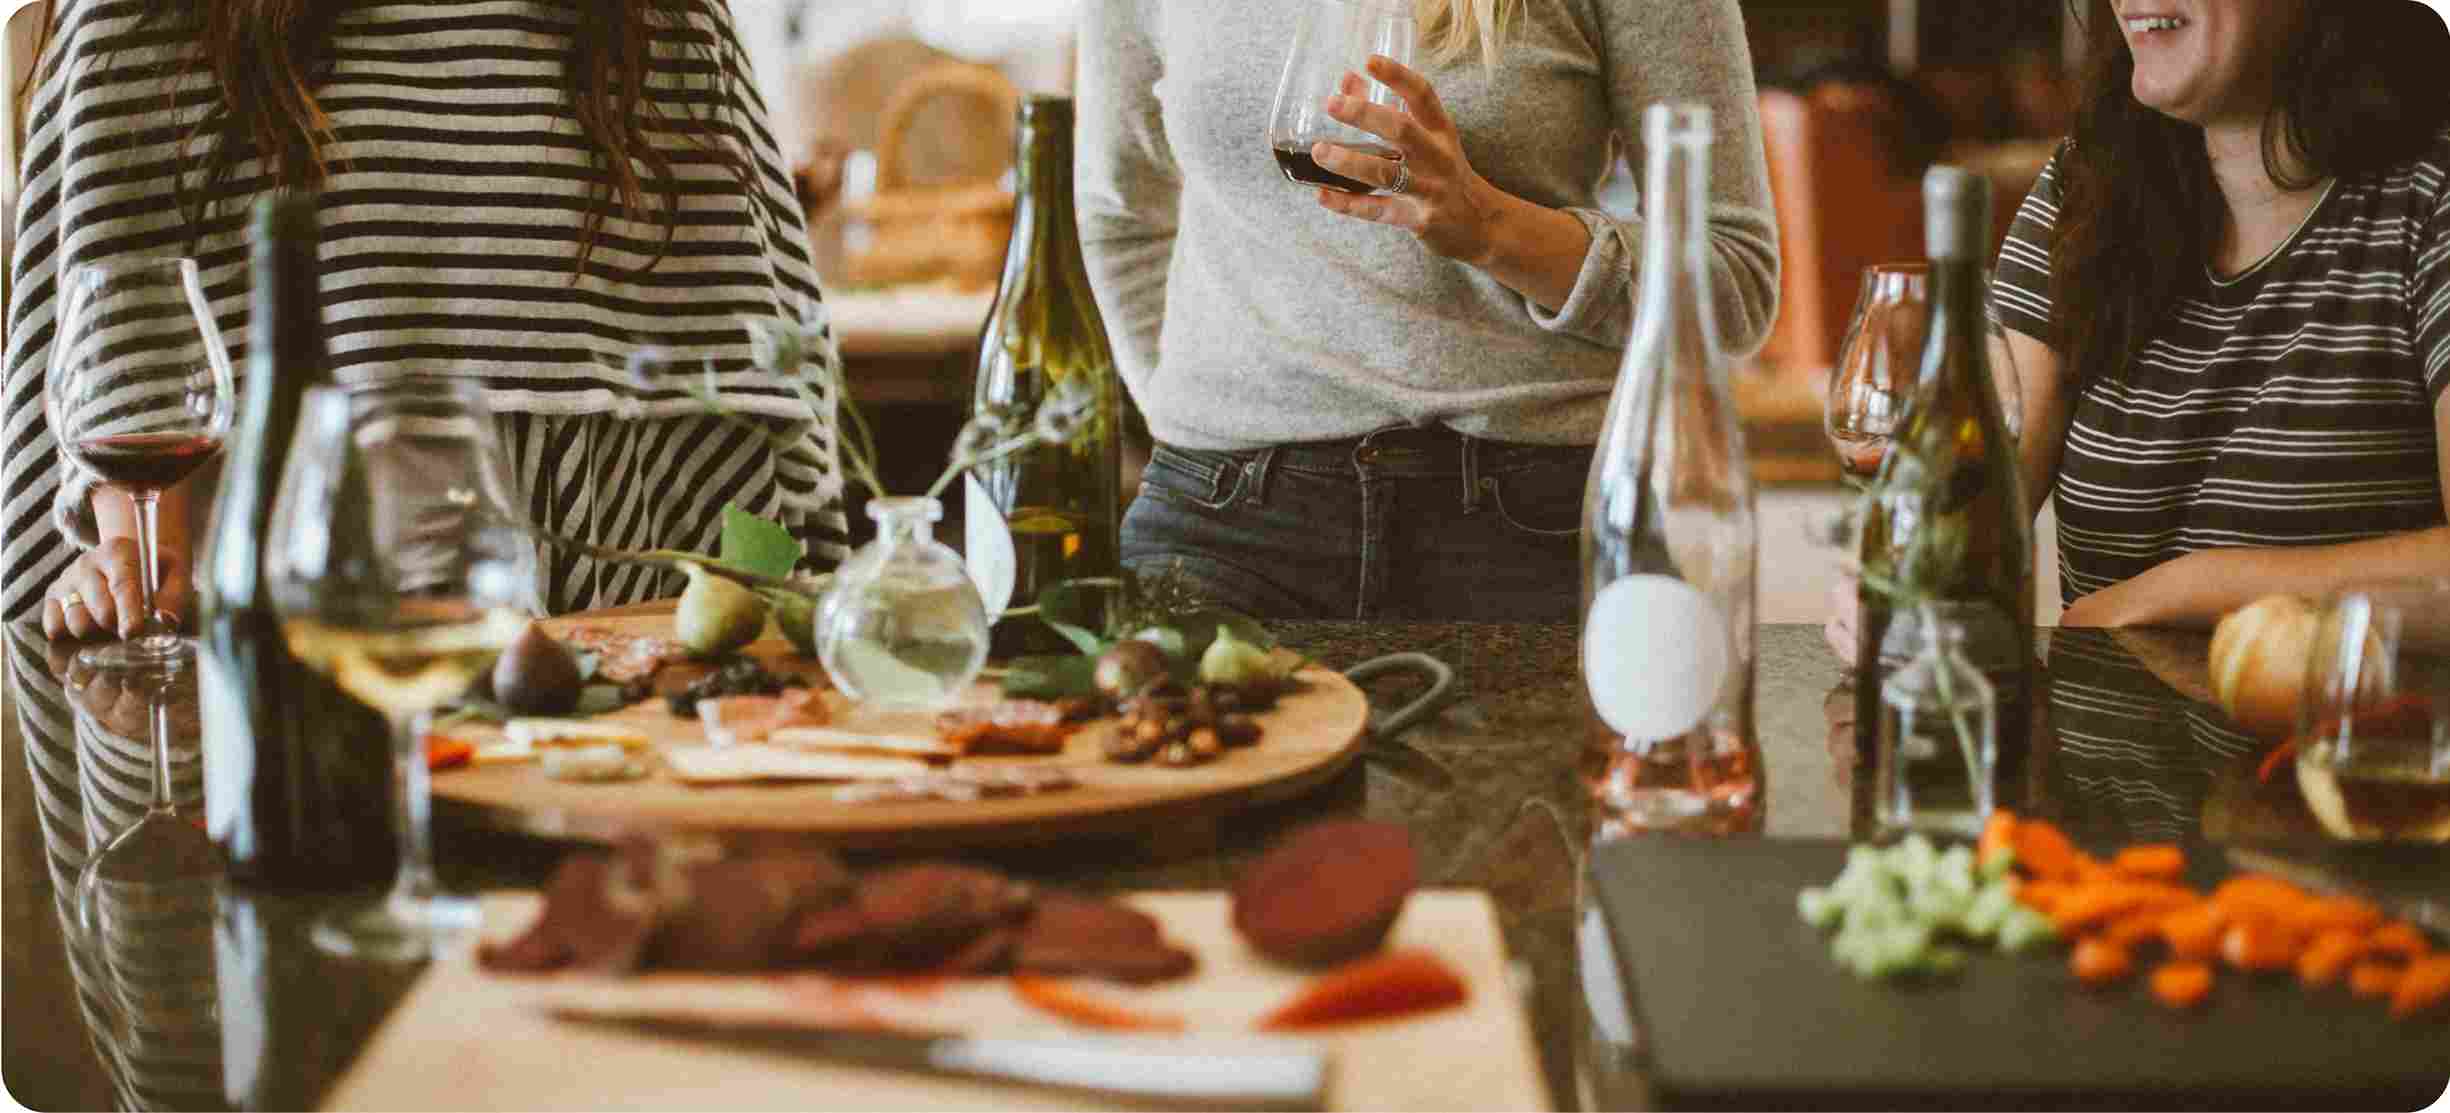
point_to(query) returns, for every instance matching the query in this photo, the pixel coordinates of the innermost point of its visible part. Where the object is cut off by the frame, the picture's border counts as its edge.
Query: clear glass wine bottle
(1669, 537)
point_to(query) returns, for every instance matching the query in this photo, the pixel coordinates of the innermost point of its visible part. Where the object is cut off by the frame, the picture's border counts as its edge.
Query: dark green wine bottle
(1947, 518)
(297, 775)
(1062, 502)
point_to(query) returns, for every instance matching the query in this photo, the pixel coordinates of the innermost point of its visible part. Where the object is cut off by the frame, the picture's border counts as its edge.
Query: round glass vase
(903, 628)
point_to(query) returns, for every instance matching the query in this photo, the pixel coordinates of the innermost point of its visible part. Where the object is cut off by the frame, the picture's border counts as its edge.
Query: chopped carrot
(1371, 988)
(2328, 957)
(2372, 978)
(1998, 836)
(1071, 1003)
(2424, 986)
(2193, 932)
(443, 751)
(2154, 861)
(2254, 943)
(2399, 938)
(2182, 983)
(2279, 755)
(2098, 961)
(2328, 914)
(2135, 928)
(2099, 902)
(2043, 896)
(2259, 895)
(2043, 851)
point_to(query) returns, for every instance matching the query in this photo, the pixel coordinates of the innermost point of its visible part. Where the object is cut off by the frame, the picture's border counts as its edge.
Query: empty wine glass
(1879, 364)
(1331, 51)
(397, 572)
(139, 393)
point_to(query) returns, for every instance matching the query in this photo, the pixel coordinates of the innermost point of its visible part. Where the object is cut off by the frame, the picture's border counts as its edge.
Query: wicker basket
(952, 231)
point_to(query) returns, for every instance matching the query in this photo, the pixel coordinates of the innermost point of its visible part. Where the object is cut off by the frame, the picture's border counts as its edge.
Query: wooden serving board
(463, 1039)
(1311, 735)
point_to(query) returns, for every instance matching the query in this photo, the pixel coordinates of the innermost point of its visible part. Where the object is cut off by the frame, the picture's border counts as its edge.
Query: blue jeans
(1403, 524)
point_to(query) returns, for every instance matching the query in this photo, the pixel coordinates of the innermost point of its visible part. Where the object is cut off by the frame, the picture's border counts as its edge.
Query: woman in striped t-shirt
(517, 193)
(2230, 297)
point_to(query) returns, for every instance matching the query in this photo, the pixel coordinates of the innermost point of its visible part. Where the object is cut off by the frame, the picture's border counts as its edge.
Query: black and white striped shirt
(2291, 405)
(460, 189)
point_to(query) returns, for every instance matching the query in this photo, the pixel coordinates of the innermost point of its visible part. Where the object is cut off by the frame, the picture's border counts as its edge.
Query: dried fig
(536, 675)
(717, 616)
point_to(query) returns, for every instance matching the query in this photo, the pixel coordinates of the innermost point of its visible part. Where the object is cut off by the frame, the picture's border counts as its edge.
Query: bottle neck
(1675, 226)
(905, 521)
(1045, 236)
(1957, 349)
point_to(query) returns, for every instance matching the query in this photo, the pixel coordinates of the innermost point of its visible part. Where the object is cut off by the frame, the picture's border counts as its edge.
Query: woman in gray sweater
(1383, 406)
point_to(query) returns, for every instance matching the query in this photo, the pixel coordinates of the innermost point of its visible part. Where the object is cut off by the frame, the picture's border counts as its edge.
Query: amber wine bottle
(297, 775)
(1053, 512)
(1947, 518)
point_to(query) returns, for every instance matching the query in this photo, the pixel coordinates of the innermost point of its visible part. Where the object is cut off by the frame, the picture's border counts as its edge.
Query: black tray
(1739, 1004)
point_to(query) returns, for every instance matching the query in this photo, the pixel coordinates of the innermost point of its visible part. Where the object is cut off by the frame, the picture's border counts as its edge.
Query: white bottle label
(1656, 656)
(986, 543)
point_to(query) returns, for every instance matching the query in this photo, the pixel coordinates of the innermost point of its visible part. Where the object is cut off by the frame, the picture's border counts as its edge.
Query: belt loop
(1255, 473)
(1471, 473)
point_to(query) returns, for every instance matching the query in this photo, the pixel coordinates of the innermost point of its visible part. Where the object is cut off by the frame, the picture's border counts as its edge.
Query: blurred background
(897, 117)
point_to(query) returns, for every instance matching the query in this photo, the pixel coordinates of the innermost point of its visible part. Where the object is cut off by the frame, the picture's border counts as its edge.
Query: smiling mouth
(2137, 25)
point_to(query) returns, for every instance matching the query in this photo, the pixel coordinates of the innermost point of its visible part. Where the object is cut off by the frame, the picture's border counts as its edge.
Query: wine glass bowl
(139, 393)
(1877, 365)
(397, 572)
(1330, 54)
(2373, 746)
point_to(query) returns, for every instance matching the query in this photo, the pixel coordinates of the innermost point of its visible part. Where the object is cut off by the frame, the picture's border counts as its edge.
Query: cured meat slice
(624, 657)
(740, 914)
(597, 916)
(1075, 935)
(1011, 726)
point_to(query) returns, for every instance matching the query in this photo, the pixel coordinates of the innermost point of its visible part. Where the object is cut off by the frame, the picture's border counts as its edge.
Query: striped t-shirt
(2291, 405)
(460, 188)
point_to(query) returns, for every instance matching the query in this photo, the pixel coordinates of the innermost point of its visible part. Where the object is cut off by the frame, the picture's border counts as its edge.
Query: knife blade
(1227, 1074)
(2429, 913)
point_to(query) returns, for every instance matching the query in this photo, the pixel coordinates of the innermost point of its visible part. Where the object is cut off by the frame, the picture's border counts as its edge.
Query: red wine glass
(1333, 42)
(139, 395)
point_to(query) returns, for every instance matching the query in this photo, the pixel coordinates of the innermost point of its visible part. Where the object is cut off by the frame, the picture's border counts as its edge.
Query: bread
(2258, 662)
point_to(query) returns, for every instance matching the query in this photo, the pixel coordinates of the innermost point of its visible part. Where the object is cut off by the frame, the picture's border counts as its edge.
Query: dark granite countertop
(241, 1010)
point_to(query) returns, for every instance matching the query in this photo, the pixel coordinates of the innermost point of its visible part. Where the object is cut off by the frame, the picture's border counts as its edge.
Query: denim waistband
(1399, 452)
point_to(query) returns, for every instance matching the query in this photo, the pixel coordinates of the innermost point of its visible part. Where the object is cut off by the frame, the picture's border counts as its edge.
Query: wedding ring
(1403, 179)
(72, 599)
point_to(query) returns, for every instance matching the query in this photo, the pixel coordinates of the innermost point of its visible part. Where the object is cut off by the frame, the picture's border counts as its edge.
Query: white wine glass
(139, 393)
(2373, 747)
(1330, 55)
(397, 572)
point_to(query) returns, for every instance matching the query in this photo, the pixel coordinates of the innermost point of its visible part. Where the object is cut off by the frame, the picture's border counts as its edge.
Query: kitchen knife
(2307, 874)
(1175, 1071)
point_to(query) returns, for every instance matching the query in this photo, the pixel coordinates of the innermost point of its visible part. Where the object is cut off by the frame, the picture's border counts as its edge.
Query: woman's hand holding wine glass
(1429, 186)
(139, 395)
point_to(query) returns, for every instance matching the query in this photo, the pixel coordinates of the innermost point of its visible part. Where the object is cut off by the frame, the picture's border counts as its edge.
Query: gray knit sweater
(1245, 315)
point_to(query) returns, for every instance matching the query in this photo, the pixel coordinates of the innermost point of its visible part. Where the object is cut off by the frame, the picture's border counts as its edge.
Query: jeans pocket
(1543, 500)
(1208, 480)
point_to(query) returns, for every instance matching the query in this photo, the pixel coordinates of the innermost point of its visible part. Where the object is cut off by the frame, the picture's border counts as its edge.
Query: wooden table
(1489, 789)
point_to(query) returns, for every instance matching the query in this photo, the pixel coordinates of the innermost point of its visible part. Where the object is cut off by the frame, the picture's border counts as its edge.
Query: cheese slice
(850, 741)
(756, 761)
(503, 750)
(574, 732)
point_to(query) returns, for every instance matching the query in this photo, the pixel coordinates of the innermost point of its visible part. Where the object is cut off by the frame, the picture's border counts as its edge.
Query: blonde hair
(1451, 29)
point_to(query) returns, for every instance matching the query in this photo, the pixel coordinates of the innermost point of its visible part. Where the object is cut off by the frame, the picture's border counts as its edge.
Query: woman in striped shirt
(2230, 298)
(517, 193)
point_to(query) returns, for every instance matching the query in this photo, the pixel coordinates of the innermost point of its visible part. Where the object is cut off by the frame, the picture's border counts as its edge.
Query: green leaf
(754, 544)
(1077, 610)
(1063, 676)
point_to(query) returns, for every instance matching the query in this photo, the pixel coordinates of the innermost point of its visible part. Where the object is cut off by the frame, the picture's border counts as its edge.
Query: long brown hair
(2361, 88)
(267, 58)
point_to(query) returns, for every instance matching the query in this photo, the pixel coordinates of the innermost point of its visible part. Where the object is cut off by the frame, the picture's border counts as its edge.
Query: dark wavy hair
(267, 59)
(2364, 86)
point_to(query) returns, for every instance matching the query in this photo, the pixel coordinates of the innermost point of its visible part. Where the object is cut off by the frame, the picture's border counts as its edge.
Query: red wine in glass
(147, 461)
(1299, 167)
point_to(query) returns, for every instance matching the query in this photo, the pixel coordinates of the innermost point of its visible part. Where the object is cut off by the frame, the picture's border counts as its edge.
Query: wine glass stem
(157, 722)
(411, 814)
(148, 510)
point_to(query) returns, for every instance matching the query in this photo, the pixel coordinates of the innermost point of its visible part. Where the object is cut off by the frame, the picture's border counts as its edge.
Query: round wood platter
(1311, 735)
